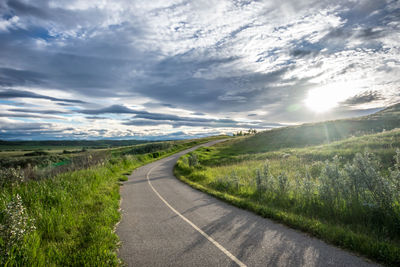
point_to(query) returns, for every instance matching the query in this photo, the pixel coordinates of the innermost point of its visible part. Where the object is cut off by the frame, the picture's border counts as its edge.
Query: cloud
(19, 115)
(203, 123)
(302, 53)
(114, 109)
(193, 65)
(144, 118)
(13, 77)
(363, 98)
(38, 111)
(12, 93)
(26, 9)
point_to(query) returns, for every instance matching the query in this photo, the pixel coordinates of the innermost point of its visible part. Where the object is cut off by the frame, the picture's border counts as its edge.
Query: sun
(321, 100)
(329, 96)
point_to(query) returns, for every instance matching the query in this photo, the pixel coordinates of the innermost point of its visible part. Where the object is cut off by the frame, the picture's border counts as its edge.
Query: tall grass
(73, 213)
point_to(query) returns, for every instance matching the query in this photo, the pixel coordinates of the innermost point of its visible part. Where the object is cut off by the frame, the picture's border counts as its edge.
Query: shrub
(283, 184)
(395, 174)
(367, 184)
(307, 188)
(332, 184)
(235, 180)
(264, 179)
(193, 160)
(220, 183)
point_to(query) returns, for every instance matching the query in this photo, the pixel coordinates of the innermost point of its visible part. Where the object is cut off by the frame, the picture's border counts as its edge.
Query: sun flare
(324, 99)
(321, 100)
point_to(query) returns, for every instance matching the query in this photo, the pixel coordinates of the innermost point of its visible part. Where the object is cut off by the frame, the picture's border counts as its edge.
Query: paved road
(167, 223)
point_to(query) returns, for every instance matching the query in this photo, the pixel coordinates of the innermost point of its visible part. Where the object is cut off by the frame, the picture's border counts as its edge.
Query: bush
(36, 153)
(264, 179)
(193, 160)
(368, 187)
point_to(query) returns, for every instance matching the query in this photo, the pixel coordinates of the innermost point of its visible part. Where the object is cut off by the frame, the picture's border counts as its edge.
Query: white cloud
(12, 23)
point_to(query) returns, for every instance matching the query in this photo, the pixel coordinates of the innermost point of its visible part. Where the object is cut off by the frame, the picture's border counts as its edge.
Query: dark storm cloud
(366, 20)
(114, 109)
(118, 109)
(143, 118)
(95, 118)
(370, 33)
(15, 115)
(159, 116)
(144, 123)
(12, 93)
(21, 8)
(363, 98)
(39, 111)
(302, 53)
(65, 104)
(13, 77)
(151, 105)
(219, 94)
(203, 123)
(365, 34)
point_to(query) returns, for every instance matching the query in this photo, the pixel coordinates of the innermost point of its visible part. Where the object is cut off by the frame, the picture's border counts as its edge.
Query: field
(337, 180)
(20, 148)
(60, 209)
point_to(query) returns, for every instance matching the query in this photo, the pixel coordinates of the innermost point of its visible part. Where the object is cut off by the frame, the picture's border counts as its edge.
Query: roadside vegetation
(343, 188)
(63, 213)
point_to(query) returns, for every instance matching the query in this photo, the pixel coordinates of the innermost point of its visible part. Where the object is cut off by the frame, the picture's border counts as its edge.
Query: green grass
(74, 214)
(306, 187)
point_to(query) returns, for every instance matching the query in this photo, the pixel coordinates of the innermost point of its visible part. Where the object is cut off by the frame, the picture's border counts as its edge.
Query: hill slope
(319, 133)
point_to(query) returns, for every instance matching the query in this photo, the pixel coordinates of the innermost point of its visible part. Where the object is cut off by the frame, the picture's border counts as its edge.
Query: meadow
(337, 180)
(63, 213)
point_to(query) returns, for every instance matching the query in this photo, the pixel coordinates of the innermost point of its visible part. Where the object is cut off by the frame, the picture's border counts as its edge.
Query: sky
(170, 69)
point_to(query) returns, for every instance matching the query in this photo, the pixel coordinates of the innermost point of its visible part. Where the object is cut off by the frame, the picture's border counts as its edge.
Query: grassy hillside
(64, 215)
(345, 191)
(319, 133)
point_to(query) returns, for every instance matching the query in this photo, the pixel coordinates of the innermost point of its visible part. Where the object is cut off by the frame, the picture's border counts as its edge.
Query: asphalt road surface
(167, 223)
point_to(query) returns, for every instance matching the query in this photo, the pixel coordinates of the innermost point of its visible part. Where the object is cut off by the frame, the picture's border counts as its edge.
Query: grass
(352, 200)
(68, 219)
(74, 214)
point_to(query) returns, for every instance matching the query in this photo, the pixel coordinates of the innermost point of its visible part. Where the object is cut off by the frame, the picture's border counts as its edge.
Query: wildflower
(16, 225)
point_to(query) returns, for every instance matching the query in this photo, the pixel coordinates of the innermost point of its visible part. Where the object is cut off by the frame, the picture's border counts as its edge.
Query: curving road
(167, 223)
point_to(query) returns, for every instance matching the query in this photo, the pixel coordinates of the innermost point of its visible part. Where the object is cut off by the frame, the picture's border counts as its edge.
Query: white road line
(218, 245)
